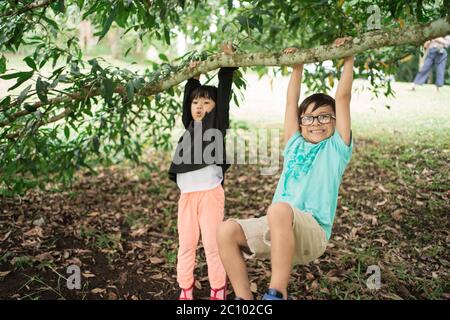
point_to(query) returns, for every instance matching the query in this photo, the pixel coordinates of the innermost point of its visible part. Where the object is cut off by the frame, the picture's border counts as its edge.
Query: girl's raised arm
(192, 84)
(224, 90)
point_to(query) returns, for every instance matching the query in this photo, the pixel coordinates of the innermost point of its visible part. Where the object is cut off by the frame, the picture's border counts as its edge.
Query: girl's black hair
(208, 92)
(319, 100)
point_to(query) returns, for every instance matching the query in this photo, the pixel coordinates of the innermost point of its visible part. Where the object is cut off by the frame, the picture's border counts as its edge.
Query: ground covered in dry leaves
(120, 227)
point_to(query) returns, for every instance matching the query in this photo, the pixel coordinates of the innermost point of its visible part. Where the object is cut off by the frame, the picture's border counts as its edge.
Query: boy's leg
(280, 219)
(188, 236)
(231, 238)
(211, 209)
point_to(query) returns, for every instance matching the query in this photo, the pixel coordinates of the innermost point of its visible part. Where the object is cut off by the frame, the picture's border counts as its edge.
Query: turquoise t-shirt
(311, 176)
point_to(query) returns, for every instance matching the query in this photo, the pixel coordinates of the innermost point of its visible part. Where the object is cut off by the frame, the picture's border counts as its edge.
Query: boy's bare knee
(226, 232)
(279, 214)
(231, 233)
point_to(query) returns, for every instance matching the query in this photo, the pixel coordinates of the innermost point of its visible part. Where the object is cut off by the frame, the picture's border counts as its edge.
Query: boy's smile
(316, 132)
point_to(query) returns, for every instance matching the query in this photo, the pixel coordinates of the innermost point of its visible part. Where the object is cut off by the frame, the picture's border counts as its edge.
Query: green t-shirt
(311, 176)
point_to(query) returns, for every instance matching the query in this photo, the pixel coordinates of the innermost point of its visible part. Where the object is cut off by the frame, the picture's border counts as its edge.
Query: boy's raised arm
(291, 124)
(343, 97)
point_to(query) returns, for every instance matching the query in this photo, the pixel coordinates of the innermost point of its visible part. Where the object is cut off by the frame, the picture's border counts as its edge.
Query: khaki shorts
(309, 237)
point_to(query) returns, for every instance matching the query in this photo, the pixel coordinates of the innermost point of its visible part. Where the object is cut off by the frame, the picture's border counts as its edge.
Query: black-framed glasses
(321, 118)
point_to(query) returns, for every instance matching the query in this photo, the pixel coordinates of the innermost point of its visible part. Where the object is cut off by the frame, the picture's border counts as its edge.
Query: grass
(23, 262)
(135, 219)
(99, 239)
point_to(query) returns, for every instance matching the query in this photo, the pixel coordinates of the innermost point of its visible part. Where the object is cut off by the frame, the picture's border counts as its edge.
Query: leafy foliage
(86, 111)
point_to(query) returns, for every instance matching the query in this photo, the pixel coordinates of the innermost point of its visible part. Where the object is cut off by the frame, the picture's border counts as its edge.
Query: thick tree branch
(415, 34)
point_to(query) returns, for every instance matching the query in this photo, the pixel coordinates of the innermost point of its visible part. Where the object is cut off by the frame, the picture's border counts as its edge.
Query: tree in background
(64, 111)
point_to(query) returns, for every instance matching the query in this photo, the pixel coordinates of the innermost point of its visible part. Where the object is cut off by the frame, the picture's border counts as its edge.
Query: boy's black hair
(208, 92)
(319, 100)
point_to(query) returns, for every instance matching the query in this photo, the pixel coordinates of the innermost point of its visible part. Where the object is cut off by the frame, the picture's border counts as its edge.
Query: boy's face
(200, 107)
(316, 132)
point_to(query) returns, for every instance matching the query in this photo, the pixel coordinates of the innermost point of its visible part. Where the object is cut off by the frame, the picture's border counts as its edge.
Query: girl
(298, 223)
(198, 168)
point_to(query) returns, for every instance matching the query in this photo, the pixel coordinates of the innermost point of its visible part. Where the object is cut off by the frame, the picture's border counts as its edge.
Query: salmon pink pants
(200, 212)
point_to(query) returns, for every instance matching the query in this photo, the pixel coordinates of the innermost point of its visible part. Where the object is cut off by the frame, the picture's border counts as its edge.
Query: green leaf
(107, 24)
(167, 35)
(42, 90)
(130, 90)
(6, 101)
(128, 51)
(96, 144)
(24, 76)
(50, 22)
(29, 107)
(60, 7)
(55, 82)
(23, 94)
(163, 57)
(94, 8)
(30, 62)
(13, 75)
(108, 88)
(74, 69)
(57, 72)
(44, 61)
(138, 83)
(67, 132)
(122, 15)
(2, 64)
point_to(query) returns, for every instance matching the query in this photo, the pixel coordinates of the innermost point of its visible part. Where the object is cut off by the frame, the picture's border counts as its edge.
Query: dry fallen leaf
(112, 296)
(98, 290)
(139, 232)
(46, 256)
(383, 189)
(397, 214)
(88, 274)
(93, 214)
(39, 222)
(123, 278)
(74, 261)
(35, 232)
(6, 236)
(333, 279)
(156, 260)
(4, 273)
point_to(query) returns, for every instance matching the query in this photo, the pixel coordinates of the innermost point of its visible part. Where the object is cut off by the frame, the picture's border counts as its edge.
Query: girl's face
(314, 131)
(200, 107)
